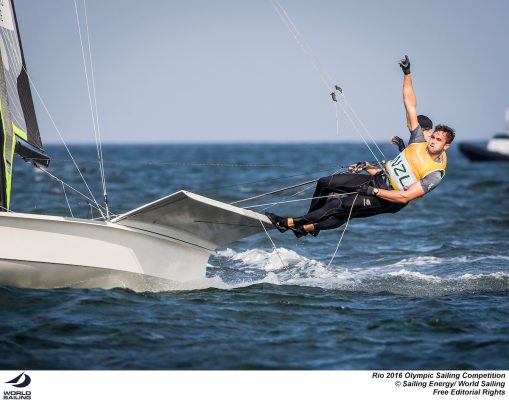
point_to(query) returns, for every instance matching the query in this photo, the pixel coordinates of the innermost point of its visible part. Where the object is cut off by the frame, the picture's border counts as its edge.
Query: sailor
(417, 170)
(427, 128)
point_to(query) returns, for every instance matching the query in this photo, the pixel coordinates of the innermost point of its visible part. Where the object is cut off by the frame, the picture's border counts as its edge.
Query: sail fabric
(20, 130)
(18, 87)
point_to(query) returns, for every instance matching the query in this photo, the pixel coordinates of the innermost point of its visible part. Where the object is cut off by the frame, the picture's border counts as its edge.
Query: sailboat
(497, 148)
(165, 243)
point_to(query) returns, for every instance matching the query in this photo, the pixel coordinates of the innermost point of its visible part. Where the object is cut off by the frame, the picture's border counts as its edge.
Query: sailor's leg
(332, 206)
(355, 206)
(333, 222)
(339, 183)
(368, 205)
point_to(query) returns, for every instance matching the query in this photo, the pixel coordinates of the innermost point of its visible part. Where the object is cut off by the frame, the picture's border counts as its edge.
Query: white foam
(269, 261)
(428, 260)
(405, 276)
(415, 275)
(496, 275)
(431, 260)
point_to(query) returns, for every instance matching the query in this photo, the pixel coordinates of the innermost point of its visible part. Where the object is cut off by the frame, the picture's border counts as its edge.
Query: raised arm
(408, 95)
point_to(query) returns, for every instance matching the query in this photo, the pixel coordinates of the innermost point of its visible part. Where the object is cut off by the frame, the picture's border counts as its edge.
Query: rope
(343, 233)
(293, 201)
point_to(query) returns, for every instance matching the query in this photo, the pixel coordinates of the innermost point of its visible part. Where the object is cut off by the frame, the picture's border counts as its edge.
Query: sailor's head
(426, 125)
(440, 139)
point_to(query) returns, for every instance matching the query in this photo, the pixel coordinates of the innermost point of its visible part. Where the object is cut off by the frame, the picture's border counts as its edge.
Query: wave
(410, 276)
(414, 276)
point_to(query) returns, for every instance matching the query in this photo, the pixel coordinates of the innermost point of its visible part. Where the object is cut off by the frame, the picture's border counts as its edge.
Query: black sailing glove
(405, 65)
(398, 142)
(366, 189)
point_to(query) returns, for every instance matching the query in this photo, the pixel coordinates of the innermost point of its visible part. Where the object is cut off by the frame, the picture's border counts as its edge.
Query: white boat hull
(50, 252)
(163, 245)
(38, 275)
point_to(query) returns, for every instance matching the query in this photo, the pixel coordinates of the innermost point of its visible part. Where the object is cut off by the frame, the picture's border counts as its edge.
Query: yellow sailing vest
(413, 164)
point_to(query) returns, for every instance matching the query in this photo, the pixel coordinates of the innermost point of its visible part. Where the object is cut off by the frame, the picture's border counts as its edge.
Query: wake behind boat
(170, 238)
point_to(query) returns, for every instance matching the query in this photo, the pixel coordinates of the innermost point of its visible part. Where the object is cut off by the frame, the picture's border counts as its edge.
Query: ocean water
(426, 288)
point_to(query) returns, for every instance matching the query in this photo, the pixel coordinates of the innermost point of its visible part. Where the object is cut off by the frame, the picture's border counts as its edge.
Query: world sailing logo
(21, 381)
(25, 383)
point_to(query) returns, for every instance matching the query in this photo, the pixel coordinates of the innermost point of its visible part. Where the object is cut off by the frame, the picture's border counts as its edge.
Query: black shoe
(279, 222)
(299, 232)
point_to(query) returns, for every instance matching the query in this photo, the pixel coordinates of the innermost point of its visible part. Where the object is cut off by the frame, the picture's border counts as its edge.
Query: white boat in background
(497, 148)
(164, 244)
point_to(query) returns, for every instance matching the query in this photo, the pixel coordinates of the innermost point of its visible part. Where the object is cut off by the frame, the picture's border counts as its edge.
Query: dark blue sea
(426, 288)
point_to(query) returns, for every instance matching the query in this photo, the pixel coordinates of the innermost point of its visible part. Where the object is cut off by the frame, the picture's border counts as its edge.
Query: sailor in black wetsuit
(418, 169)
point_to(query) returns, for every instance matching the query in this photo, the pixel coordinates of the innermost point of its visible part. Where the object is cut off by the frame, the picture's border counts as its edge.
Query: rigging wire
(274, 191)
(269, 179)
(62, 139)
(325, 77)
(92, 199)
(101, 157)
(178, 164)
(337, 170)
(272, 242)
(288, 197)
(299, 38)
(347, 103)
(89, 200)
(346, 107)
(92, 97)
(67, 200)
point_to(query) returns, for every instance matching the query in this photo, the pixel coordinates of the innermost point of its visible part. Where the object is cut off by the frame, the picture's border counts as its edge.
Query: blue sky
(229, 71)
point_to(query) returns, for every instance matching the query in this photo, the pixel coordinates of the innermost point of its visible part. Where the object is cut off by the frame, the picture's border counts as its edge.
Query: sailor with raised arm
(417, 170)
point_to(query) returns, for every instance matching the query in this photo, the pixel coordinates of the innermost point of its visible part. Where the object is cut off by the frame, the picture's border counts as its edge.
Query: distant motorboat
(497, 148)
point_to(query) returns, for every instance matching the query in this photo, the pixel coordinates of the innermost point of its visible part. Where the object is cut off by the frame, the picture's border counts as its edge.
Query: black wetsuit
(332, 212)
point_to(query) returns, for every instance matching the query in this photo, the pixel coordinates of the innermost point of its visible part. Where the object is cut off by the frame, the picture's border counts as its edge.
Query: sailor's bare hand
(357, 167)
